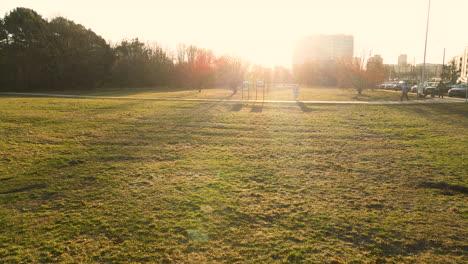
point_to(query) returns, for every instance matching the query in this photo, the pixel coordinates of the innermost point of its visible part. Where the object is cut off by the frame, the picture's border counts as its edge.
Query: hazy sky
(263, 31)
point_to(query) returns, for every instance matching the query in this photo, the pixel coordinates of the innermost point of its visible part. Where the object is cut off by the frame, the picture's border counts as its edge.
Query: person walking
(296, 92)
(404, 91)
(441, 89)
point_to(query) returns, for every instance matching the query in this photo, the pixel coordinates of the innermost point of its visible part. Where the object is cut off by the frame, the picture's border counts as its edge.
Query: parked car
(414, 89)
(400, 85)
(430, 88)
(449, 86)
(390, 86)
(458, 90)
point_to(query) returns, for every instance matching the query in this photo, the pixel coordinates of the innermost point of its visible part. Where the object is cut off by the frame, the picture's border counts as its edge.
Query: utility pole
(425, 45)
(443, 65)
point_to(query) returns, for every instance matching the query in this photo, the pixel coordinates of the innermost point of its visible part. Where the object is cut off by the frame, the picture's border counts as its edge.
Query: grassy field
(130, 181)
(271, 93)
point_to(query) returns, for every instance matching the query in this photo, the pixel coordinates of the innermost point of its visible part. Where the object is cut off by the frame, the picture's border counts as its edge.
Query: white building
(402, 60)
(458, 62)
(321, 48)
(464, 66)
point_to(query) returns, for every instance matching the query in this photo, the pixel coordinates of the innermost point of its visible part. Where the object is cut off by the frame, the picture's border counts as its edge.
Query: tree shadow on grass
(26, 188)
(257, 108)
(434, 111)
(5, 179)
(388, 244)
(374, 97)
(304, 107)
(229, 96)
(449, 189)
(236, 107)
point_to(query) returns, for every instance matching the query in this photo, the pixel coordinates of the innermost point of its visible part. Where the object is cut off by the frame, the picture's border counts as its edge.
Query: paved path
(423, 101)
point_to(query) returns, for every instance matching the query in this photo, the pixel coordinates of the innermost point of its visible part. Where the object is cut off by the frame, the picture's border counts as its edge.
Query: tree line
(357, 73)
(37, 54)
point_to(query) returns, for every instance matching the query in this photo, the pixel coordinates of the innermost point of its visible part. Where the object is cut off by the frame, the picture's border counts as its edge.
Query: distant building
(432, 70)
(458, 62)
(464, 66)
(461, 65)
(402, 60)
(322, 48)
(402, 69)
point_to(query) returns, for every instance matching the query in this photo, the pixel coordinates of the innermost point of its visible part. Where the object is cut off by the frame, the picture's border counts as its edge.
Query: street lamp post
(423, 78)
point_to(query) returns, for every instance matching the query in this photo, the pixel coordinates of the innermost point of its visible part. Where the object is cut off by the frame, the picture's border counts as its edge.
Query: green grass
(92, 180)
(271, 93)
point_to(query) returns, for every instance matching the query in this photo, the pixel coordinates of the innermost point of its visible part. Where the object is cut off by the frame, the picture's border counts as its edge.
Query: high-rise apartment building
(458, 62)
(464, 66)
(402, 60)
(322, 48)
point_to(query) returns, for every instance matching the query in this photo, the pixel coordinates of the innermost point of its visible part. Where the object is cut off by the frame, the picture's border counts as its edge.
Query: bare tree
(356, 73)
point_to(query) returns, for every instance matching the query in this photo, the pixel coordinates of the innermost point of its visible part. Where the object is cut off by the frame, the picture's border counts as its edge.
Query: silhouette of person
(296, 92)
(441, 89)
(404, 92)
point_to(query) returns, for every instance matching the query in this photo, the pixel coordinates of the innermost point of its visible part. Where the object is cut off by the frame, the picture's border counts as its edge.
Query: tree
(129, 69)
(229, 72)
(355, 71)
(203, 71)
(306, 73)
(375, 71)
(5, 72)
(24, 50)
(160, 66)
(450, 73)
(195, 67)
(324, 73)
(39, 55)
(80, 58)
(282, 75)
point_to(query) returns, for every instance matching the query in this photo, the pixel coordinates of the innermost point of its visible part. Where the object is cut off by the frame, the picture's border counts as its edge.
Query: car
(381, 86)
(399, 86)
(430, 88)
(449, 86)
(458, 90)
(390, 86)
(414, 89)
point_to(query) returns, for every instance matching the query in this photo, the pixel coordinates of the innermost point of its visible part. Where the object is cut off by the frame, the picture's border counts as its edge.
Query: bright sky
(263, 31)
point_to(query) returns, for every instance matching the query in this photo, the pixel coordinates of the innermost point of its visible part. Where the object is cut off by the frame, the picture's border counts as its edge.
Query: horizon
(264, 33)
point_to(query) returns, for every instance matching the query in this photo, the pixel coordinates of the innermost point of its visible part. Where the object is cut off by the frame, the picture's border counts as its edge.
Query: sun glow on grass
(281, 92)
(86, 180)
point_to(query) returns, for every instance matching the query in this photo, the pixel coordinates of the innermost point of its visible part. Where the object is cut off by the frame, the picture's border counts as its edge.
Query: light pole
(465, 58)
(423, 78)
(443, 65)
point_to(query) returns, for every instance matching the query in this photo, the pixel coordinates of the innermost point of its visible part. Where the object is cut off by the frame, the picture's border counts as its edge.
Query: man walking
(441, 89)
(404, 91)
(296, 92)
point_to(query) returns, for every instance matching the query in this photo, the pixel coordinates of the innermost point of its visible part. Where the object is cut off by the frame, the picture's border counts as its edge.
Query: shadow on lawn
(449, 189)
(373, 97)
(396, 243)
(27, 188)
(257, 108)
(236, 107)
(229, 96)
(434, 111)
(304, 107)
